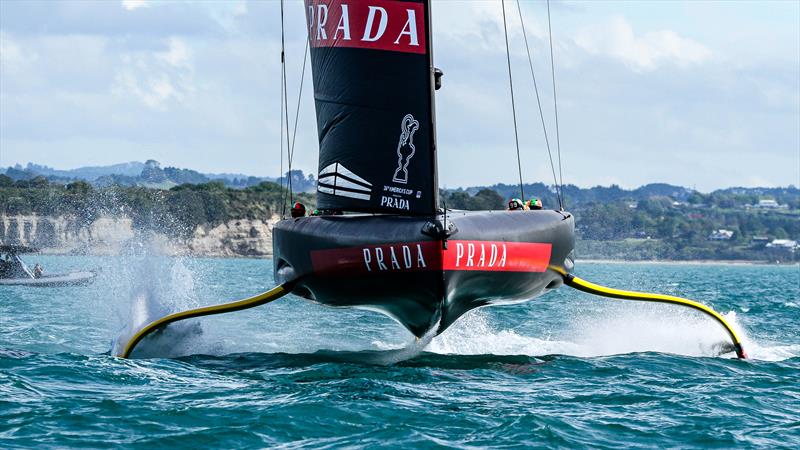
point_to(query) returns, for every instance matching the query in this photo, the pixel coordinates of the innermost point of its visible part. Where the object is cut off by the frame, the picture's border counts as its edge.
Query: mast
(434, 150)
(374, 84)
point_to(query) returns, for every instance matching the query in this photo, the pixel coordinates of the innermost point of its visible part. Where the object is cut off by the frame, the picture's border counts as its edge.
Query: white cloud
(479, 25)
(628, 112)
(645, 52)
(157, 78)
(177, 55)
(154, 91)
(130, 5)
(226, 14)
(12, 56)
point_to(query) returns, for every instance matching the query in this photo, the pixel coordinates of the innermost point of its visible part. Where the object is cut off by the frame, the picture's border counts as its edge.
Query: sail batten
(373, 96)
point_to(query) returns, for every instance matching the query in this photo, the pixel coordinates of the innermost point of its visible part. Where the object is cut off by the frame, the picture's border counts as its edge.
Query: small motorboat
(14, 271)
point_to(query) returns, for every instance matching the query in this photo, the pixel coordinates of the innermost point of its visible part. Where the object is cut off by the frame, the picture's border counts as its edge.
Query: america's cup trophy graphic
(405, 148)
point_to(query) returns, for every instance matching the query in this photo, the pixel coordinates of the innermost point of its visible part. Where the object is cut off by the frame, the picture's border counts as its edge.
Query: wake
(630, 330)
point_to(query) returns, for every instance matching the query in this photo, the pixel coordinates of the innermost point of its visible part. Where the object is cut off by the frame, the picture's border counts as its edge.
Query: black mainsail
(373, 91)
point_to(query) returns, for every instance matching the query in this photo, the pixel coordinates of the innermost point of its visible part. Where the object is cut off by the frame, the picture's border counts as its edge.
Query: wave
(629, 330)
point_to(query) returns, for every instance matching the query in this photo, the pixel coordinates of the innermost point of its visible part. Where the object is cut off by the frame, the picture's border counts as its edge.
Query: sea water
(564, 370)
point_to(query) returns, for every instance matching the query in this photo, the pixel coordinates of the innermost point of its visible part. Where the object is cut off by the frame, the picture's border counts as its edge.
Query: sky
(699, 94)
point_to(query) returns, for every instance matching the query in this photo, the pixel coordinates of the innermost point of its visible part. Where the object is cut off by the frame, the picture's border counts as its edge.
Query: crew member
(515, 204)
(298, 210)
(534, 203)
(37, 271)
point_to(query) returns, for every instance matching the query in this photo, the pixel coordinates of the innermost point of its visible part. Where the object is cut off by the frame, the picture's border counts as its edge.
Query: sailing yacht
(398, 250)
(382, 241)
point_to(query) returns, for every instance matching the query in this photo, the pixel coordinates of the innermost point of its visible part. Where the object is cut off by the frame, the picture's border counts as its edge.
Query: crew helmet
(515, 203)
(534, 203)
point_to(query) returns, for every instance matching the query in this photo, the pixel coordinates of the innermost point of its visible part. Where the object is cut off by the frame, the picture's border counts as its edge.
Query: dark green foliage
(148, 174)
(176, 212)
(182, 176)
(299, 181)
(485, 199)
(652, 222)
(667, 231)
(660, 221)
(79, 188)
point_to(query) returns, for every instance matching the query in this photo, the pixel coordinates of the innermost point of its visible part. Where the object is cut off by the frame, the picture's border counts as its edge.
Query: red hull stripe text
(405, 257)
(496, 256)
(372, 24)
(490, 256)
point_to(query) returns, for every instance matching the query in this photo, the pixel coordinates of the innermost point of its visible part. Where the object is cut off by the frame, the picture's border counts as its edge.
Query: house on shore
(783, 243)
(769, 204)
(720, 235)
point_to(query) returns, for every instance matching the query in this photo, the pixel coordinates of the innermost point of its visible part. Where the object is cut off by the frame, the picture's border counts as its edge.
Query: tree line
(176, 211)
(611, 223)
(678, 227)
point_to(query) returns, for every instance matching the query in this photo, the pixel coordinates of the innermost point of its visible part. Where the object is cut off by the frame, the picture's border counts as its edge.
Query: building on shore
(786, 244)
(769, 204)
(720, 235)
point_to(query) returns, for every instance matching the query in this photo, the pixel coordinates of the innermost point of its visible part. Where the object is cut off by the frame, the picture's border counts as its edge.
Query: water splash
(619, 330)
(473, 334)
(394, 355)
(157, 286)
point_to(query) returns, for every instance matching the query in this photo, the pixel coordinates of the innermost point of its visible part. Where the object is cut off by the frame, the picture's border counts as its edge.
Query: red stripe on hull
(487, 256)
(497, 256)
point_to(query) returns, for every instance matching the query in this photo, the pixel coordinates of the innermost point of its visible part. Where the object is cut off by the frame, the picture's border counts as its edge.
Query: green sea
(566, 370)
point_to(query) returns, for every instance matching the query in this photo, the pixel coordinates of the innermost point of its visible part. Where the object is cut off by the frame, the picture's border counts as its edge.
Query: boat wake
(621, 331)
(412, 349)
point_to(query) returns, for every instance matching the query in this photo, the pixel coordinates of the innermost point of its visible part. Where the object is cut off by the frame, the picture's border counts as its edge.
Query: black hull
(397, 264)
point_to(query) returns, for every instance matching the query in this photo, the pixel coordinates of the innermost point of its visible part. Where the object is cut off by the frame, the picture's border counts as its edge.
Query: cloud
(225, 13)
(12, 56)
(196, 84)
(177, 55)
(157, 78)
(642, 53)
(130, 5)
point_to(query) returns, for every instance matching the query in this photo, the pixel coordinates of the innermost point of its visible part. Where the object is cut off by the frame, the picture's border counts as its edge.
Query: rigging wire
(555, 100)
(539, 104)
(513, 106)
(280, 177)
(290, 143)
(283, 103)
(297, 109)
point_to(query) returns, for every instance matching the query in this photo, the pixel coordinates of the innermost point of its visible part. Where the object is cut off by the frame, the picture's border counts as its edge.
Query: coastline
(113, 235)
(243, 238)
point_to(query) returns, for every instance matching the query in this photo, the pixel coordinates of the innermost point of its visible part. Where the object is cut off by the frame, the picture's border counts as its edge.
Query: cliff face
(112, 235)
(234, 238)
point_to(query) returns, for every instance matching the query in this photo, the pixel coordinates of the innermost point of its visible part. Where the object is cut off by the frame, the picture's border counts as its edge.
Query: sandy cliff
(112, 235)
